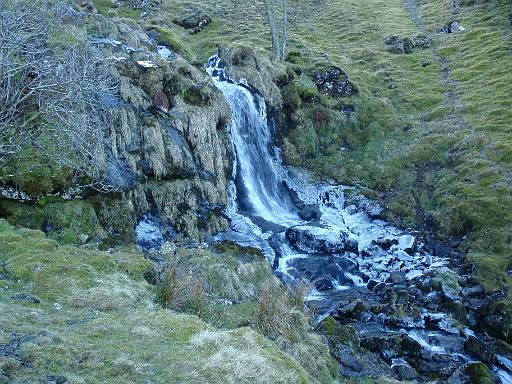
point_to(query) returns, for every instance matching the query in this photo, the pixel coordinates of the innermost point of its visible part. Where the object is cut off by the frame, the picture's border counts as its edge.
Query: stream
(362, 270)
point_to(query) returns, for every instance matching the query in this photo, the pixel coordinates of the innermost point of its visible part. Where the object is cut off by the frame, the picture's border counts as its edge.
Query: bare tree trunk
(285, 29)
(279, 38)
(272, 21)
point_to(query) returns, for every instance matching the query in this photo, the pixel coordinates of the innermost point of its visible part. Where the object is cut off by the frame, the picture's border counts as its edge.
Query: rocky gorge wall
(167, 151)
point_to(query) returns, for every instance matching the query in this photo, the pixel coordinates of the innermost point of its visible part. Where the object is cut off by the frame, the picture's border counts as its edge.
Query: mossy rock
(197, 95)
(479, 374)
(69, 222)
(116, 218)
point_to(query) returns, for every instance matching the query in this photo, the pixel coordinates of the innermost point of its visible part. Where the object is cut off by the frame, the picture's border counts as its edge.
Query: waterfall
(260, 191)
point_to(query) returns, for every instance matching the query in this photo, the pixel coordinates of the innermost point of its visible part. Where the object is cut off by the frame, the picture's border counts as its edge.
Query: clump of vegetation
(70, 222)
(52, 125)
(236, 288)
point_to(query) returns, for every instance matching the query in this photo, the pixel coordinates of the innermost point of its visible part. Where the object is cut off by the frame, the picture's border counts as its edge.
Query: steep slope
(428, 132)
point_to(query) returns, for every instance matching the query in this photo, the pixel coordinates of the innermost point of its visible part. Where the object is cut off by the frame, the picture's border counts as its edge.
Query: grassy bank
(91, 317)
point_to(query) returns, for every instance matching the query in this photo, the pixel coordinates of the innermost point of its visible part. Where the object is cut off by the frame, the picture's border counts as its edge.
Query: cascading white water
(260, 191)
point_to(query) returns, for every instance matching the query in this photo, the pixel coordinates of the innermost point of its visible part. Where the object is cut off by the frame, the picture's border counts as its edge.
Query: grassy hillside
(91, 317)
(431, 132)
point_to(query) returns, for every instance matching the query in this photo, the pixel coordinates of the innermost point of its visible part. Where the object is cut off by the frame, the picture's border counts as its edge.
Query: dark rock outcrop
(311, 239)
(334, 82)
(194, 21)
(399, 45)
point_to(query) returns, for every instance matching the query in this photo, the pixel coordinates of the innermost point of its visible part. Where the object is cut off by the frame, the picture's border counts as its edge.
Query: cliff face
(167, 149)
(170, 130)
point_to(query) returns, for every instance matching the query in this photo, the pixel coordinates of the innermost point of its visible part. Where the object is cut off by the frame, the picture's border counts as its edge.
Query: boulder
(422, 42)
(399, 45)
(402, 370)
(385, 242)
(451, 27)
(195, 21)
(406, 243)
(475, 291)
(312, 239)
(334, 82)
(480, 349)
(347, 358)
(26, 298)
(397, 277)
(391, 345)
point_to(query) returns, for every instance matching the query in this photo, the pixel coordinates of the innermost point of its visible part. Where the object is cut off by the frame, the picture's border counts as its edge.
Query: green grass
(97, 322)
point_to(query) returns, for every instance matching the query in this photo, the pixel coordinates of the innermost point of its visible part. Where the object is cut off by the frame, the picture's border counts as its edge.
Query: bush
(52, 116)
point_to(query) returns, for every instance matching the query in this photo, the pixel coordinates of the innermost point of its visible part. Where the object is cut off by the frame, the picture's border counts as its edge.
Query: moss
(116, 217)
(479, 373)
(71, 222)
(291, 98)
(167, 37)
(197, 95)
(103, 6)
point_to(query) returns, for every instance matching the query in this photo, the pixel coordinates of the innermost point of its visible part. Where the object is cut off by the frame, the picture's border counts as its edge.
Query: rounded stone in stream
(480, 350)
(385, 242)
(313, 239)
(391, 345)
(403, 370)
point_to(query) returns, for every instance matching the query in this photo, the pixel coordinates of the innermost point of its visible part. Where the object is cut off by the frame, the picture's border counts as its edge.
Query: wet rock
(334, 82)
(451, 27)
(403, 370)
(441, 250)
(55, 380)
(311, 239)
(347, 358)
(472, 373)
(480, 350)
(351, 209)
(26, 298)
(118, 174)
(195, 21)
(425, 284)
(433, 297)
(406, 243)
(447, 282)
(324, 284)
(399, 45)
(310, 213)
(475, 291)
(379, 287)
(397, 277)
(352, 309)
(372, 284)
(391, 345)
(385, 242)
(151, 232)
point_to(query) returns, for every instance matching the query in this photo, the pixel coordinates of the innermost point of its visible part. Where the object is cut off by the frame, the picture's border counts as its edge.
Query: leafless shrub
(278, 30)
(49, 98)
